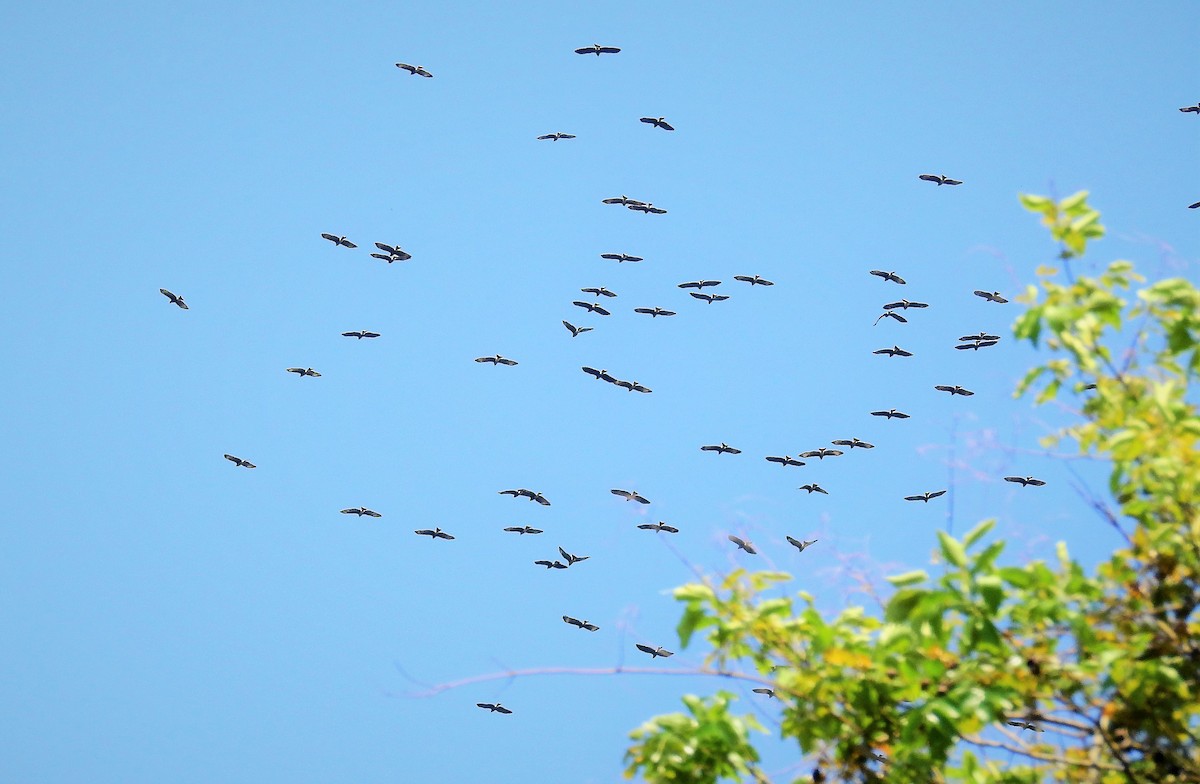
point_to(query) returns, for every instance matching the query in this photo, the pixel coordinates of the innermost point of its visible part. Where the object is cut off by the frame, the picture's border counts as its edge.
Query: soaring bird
(632, 386)
(892, 276)
(768, 692)
(339, 240)
(597, 50)
(494, 707)
(658, 122)
(524, 493)
(720, 449)
(853, 442)
(743, 544)
(552, 564)
(572, 559)
(1194, 206)
(436, 533)
(414, 70)
(623, 200)
(599, 291)
(175, 299)
(620, 257)
(940, 179)
(980, 337)
(894, 351)
(954, 390)
(1195, 109)
(699, 284)
(892, 315)
(801, 545)
(361, 511)
(647, 208)
(659, 526)
(496, 360)
(591, 307)
(784, 461)
(905, 305)
(601, 375)
(822, 453)
(991, 296)
(1023, 481)
(630, 495)
(709, 298)
(239, 462)
(1028, 725)
(654, 312)
(390, 257)
(304, 372)
(891, 413)
(394, 252)
(924, 496)
(575, 330)
(977, 345)
(655, 652)
(556, 136)
(591, 627)
(360, 334)
(813, 488)
(753, 281)
(523, 529)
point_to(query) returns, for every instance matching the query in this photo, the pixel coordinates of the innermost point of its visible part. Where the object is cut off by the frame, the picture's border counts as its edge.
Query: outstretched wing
(646, 649)
(929, 177)
(331, 238)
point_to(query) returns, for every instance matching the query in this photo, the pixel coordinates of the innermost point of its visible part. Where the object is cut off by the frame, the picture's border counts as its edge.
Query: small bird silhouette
(524, 493)
(924, 496)
(339, 240)
(597, 50)
(658, 122)
(813, 488)
(655, 652)
(720, 449)
(977, 345)
(785, 460)
(574, 330)
(555, 136)
(394, 252)
(892, 315)
(823, 453)
(591, 627)
(436, 533)
(659, 526)
(801, 545)
(852, 443)
(362, 511)
(905, 305)
(523, 529)
(753, 281)
(940, 179)
(891, 413)
(599, 291)
(655, 311)
(980, 337)
(496, 360)
(552, 564)
(360, 334)
(647, 208)
(1195, 109)
(239, 462)
(494, 707)
(954, 390)
(768, 692)
(175, 299)
(623, 200)
(601, 375)
(591, 307)
(302, 372)
(1023, 481)
(888, 276)
(630, 495)
(414, 70)
(894, 351)
(991, 296)
(709, 298)
(699, 284)
(743, 544)
(572, 559)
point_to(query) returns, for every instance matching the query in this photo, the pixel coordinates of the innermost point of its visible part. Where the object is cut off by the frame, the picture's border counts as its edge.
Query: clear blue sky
(169, 617)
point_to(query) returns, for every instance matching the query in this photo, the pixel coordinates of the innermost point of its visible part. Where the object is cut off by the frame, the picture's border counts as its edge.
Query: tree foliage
(1076, 674)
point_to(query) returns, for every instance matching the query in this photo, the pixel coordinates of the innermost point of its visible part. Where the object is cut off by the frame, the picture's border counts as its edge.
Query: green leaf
(953, 550)
(978, 532)
(908, 578)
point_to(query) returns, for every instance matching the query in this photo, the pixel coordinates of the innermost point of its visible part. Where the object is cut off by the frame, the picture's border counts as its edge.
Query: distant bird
(720, 449)
(992, 296)
(813, 488)
(598, 291)
(905, 305)
(524, 493)
(630, 495)
(954, 390)
(339, 240)
(362, 511)
(659, 122)
(591, 627)
(436, 533)
(894, 351)
(1195, 109)
(981, 337)
(743, 544)
(784, 461)
(940, 179)
(620, 257)
(892, 315)
(891, 413)
(496, 360)
(654, 312)
(414, 70)
(709, 298)
(924, 496)
(555, 136)
(360, 334)
(654, 652)
(768, 692)
(699, 284)
(597, 50)
(1028, 725)
(575, 330)
(632, 386)
(591, 307)
(647, 208)
(523, 529)
(239, 462)
(623, 200)
(551, 564)
(304, 372)
(801, 545)
(659, 526)
(175, 299)
(888, 276)
(572, 559)
(852, 443)
(601, 375)
(1023, 481)
(494, 707)
(753, 281)
(823, 453)
(395, 252)
(977, 345)
(1194, 206)
(390, 257)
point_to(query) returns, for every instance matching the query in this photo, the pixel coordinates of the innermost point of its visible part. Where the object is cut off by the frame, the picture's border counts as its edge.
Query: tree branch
(1025, 751)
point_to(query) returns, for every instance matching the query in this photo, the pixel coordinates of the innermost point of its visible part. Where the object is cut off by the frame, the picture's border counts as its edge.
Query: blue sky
(172, 617)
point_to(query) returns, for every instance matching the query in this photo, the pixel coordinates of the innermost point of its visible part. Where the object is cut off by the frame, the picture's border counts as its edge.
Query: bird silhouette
(591, 627)
(892, 315)
(239, 462)
(753, 281)
(494, 707)
(954, 390)
(940, 179)
(888, 276)
(813, 488)
(822, 453)
(632, 386)
(175, 299)
(801, 545)
(720, 449)
(574, 330)
(659, 526)
(655, 652)
(621, 257)
(1024, 481)
(658, 122)
(394, 252)
(655, 312)
(630, 495)
(361, 511)
(601, 375)
(523, 529)
(436, 533)
(905, 305)
(991, 296)
(599, 291)
(597, 50)
(894, 351)
(339, 240)
(526, 493)
(743, 544)
(360, 334)
(982, 336)
(891, 413)
(852, 443)
(977, 345)
(768, 692)
(572, 559)
(623, 200)
(699, 284)
(591, 307)
(924, 496)
(496, 360)
(785, 460)
(555, 136)
(552, 564)
(647, 208)
(709, 298)
(414, 70)
(302, 372)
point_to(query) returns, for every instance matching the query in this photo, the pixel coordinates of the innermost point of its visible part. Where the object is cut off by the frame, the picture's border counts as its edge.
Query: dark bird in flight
(659, 526)
(239, 462)
(892, 315)
(555, 136)
(699, 284)
(753, 281)
(894, 351)
(630, 495)
(654, 652)
(361, 511)
(801, 545)
(892, 276)
(436, 533)
(523, 529)
(1023, 481)
(709, 298)
(768, 692)
(654, 312)
(991, 296)
(1195, 109)
(620, 257)
(981, 336)
(304, 372)
(784, 461)
(523, 493)
(414, 70)
(977, 345)
(647, 208)
(591, 627)
(591, 307)
(822, 453)
(721, 448)
(175, 299)
(623, 200)
(389, 258)
(853, 442)
(905, 305)
(632, 386)
(890, 414)
(813, 488)
(551, 564)
(658, 122)
(940, 179)
(1194, 206)
(601, 375)
(597, 50)
(572, 559)
(743, 544)
(360, 334)
(576, 330)
(599, 292)
(496, 360)
(924, 496)
(394, 253)
(494, 707)
(954, 390)
(339, 240)
(1027, 725)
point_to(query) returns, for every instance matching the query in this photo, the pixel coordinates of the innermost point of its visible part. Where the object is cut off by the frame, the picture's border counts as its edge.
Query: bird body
(888, 276)
(592, 307)
(768, 692)
(1024, 481)
(302, 372)
(785, 461)
(822, 453)
(574, 330)
(339, 240)
(630, 495)
(555, 136)
(494, 707)
(894, 351)
(623, 200)
(991, 296)
(982, 336)
(361, 511)
(905, 305)
(892, 315)
(720, 449)
(572, 559)
(940, 179)
(977, 345)
(813, 488)
(597, 50)
(394, 253)
(753, 281)
(414, 70)
(436, 533)
(496, 360)
(601, 375)
(620, 257)
(175, 299)
(526, 493)
(591, 627)
(743, 544)
(658, 122)
(655, 312)
(632, 386)
(699, 284)
(924, 496)
(891, 413)
(954, 390)
(709, 298)
(239, 462)
(647, 208)
(654, 652)
(1195, 109)
(360, 334)
(599, 291)
(659, 526)
(523, 529)
(551, 564)
(801, 545)
(852, 443)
